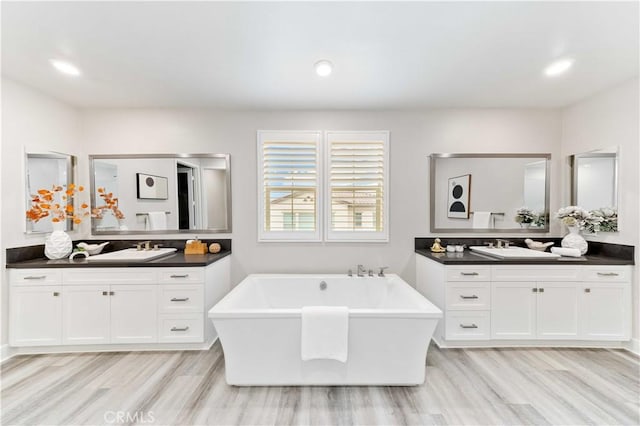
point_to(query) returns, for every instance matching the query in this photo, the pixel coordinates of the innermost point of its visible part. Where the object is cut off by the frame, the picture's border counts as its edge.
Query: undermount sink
(513, 253)
(132, 254)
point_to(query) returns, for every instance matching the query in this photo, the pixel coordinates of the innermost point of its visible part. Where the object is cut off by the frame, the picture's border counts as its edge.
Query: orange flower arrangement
(56, 203)
(110, 203)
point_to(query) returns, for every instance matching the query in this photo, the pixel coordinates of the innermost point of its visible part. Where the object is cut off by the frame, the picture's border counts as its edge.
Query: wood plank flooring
(463, 387)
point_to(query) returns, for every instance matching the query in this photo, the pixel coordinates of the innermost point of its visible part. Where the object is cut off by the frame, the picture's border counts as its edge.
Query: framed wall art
(150, 187)
(459, 196)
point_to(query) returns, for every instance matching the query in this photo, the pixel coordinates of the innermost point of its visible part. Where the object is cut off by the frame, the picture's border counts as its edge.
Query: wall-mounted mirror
(594, 184)
(595, 179)
(43, 171)
(160, 193)
(497, 193)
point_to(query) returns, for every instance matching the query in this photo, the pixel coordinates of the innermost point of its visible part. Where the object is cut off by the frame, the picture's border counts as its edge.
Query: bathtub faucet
(361, 270)
(381, 273)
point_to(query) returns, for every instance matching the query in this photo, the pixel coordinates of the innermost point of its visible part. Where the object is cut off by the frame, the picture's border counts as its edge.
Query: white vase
(525, 225)
(58, 244)
(575, 240)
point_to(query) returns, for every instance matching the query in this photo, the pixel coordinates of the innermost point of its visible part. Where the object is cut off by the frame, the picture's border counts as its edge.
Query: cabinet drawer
(461, 325)
(110, 276)
(177, 298)
(182, 275)
(179, 328)
(469, 296)
(538, 273)
(35, 276)
(468, 273)
(606, 274)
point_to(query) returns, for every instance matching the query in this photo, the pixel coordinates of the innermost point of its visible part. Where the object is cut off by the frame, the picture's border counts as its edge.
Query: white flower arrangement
(574, 216)
(524, 215)
(604, 219)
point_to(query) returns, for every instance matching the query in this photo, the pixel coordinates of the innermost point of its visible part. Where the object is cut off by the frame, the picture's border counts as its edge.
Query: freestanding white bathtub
(259, 324)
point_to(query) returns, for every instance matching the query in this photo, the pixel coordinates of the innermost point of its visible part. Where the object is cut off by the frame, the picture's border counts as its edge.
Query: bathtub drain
(323, 285)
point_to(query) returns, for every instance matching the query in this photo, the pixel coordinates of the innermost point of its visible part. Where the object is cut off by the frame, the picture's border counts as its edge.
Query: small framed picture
(459, 196)
(151, 187)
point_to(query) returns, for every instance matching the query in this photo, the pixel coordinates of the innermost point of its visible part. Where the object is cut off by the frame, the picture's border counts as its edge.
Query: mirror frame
(432, 191)
(226, 157)
(591, 154)
(71, 162)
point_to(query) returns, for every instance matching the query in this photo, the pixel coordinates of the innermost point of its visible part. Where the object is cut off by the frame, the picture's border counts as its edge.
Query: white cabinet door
(85, 314)
(134, 314)
(513, 310)
(557, 310)
(35, 315)
(606, 311)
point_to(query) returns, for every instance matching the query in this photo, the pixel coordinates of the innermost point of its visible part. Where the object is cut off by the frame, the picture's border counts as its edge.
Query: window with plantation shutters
(289, 185)
(357, 186)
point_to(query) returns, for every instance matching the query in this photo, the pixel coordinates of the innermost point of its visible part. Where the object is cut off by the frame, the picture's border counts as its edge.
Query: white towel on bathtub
(325, 332)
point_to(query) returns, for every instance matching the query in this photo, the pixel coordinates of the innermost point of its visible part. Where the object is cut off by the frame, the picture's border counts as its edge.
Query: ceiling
(387, 55)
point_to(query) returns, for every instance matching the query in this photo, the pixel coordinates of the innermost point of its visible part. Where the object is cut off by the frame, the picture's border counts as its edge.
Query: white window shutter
(289, 185)
(357, 176)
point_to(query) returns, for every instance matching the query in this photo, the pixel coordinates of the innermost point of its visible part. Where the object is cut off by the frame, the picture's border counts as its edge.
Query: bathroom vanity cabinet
(141, 307)
(502, 305)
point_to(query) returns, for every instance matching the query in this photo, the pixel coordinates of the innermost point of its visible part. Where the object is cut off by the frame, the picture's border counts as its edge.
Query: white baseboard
(5, 352)
(633, 345)
(470, 344)
(35, 350)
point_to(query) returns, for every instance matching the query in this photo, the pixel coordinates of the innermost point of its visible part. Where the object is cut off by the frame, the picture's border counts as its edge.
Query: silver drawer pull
(608, 274)
(468, 326)
(35, 277)
(180, 276)
(179, 299)
(55, 293)
(105, 293)
(469, 274)
(587, 290)
(179, 329)
(468, 297)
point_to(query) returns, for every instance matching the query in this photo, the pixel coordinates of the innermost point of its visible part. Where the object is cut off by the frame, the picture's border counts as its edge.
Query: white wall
(414, 135)
(604, 120)
(31, 122)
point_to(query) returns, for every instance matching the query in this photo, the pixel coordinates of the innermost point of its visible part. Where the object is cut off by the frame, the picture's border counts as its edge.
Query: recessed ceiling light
(65, 67)
(558, 67)
(323, 68)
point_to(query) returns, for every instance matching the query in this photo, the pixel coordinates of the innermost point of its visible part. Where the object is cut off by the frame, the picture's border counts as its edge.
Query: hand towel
(157, 220)
(566, 251)
(325, 333)
(482, 220)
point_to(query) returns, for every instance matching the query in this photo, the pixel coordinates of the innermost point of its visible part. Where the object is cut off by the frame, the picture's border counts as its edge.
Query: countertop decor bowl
(537, 245)
(92, 249)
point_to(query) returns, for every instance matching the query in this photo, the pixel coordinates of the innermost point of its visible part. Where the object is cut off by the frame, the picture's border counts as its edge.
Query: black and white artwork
(152, 187)
(458, 197)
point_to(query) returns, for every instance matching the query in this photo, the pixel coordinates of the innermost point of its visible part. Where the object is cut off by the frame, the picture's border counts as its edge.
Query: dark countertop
(178, 259)
(33, 256)
(470, 258)
(598, 253)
